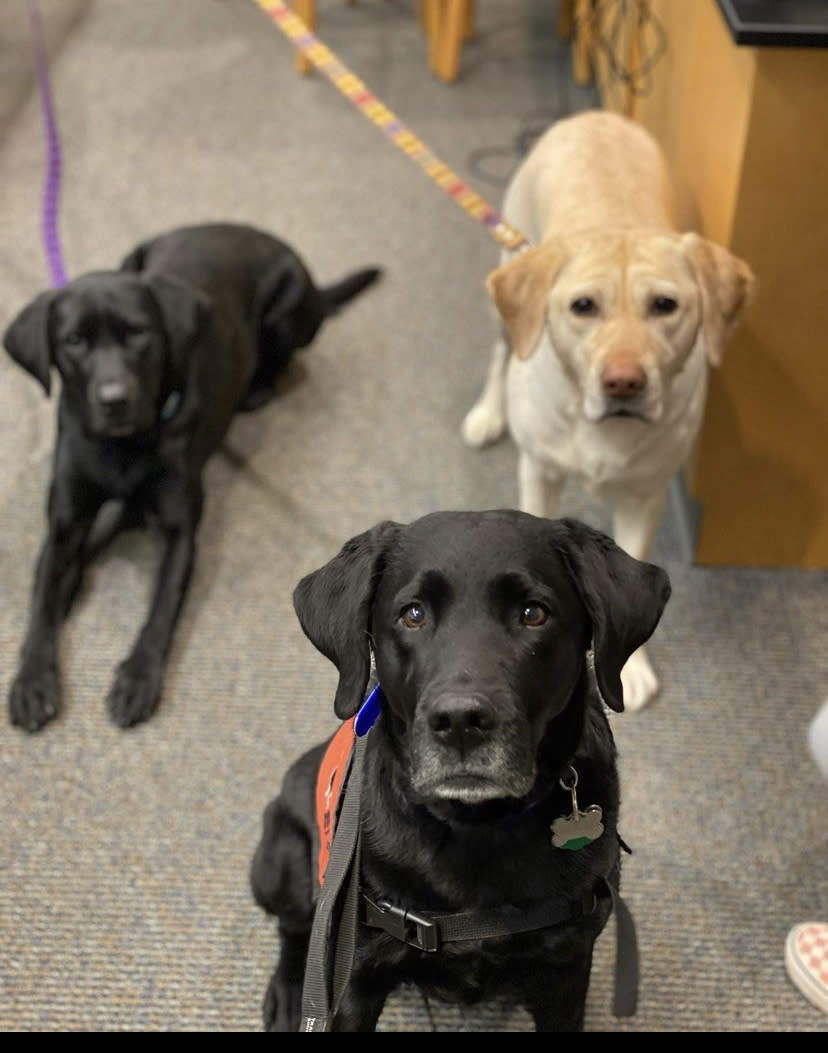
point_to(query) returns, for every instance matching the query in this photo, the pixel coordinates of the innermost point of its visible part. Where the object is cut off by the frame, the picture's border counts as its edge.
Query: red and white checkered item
(806, 959)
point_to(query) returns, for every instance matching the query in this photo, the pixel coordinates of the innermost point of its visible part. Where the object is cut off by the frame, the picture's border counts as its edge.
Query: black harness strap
(428, 931)
(321, 993)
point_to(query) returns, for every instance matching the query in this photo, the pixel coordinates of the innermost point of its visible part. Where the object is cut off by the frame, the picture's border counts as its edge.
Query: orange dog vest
(329, 781)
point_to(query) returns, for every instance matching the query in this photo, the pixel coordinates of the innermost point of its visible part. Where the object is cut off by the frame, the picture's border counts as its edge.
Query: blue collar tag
(171, 406)
(368, 712)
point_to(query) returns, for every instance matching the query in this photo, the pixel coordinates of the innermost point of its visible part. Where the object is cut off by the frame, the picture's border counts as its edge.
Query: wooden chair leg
(453, 18)
(566, 10)
(582, 45)
(427, 12)
(306, 10)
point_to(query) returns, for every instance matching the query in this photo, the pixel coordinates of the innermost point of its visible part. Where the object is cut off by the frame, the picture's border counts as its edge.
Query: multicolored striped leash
(354, 89)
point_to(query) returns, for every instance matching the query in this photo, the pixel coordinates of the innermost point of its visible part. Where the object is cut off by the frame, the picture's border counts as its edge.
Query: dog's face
(480, 624)
(624, 310)
(476, 657)
(112, 338)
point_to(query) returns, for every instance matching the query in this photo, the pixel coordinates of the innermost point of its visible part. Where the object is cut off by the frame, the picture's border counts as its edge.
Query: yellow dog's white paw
(482, 425)
(639, 681)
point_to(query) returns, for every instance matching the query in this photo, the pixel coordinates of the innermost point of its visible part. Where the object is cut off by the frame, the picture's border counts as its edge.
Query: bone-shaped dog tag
(580, 828)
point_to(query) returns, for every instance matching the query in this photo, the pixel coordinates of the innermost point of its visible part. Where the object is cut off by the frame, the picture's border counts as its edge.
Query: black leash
(319, 1002)
(625, 997)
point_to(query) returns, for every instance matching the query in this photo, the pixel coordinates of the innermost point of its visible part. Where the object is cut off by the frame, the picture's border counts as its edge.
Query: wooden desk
(745, 129)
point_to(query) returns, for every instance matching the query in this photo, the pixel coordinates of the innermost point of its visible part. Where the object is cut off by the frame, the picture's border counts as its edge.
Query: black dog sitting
(154, 360)
(480, 625)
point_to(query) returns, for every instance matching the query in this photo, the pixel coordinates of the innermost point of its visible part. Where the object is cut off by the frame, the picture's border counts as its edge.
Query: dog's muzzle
(624, 410)
(463, 750)
(114, 412)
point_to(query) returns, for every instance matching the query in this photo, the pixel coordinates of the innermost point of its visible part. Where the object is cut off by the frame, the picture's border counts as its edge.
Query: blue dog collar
(368, 712)
(171, 406)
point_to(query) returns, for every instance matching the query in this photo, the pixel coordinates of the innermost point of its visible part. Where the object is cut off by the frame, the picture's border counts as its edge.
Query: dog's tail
(334, 296)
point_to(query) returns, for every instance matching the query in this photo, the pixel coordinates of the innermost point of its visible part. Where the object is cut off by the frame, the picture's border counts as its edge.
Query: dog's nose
(460, 721)
(622, 376)
(112, 394)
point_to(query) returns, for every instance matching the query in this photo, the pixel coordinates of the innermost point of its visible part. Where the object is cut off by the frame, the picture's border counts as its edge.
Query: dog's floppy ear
(28, 340)
(519, 290)
(184, 308)
(333, 605)
(727, 286)
(624, 597)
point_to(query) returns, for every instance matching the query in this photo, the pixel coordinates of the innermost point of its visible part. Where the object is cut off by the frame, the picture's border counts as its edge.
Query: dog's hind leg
(282, 1006)
(288, 313)
(486, 420)
(280, 873)
(281, 883)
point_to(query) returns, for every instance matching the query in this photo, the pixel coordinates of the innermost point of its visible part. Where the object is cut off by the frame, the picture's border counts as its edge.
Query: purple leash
(51, 189)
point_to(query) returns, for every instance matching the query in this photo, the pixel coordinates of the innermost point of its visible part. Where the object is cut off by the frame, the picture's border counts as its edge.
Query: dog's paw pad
(482, 426)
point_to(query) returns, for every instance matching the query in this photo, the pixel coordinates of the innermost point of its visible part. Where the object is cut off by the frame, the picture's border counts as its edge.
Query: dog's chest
(123, 469)
(477, 869)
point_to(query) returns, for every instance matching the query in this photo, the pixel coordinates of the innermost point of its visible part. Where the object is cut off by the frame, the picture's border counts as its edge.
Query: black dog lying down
(154, 359)
(480, 624)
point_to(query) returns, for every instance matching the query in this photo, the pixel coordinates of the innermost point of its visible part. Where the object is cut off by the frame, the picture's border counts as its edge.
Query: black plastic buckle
(404, 925)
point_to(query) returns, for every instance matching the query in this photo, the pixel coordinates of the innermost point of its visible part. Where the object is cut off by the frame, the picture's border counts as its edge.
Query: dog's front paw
(34, 697)
(639, 681)
(134, 694)
(482, 425)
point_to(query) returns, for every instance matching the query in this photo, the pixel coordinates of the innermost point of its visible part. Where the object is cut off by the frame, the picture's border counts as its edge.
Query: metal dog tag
(580, 828)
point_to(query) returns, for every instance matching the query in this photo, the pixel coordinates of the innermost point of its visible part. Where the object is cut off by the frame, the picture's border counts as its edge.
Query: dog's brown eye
(533, 615)
(413, 616)
(664, 305)
(73, 340)
(584, 306)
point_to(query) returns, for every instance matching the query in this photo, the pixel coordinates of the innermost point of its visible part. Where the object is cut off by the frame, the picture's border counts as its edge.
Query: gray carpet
(124, 903)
